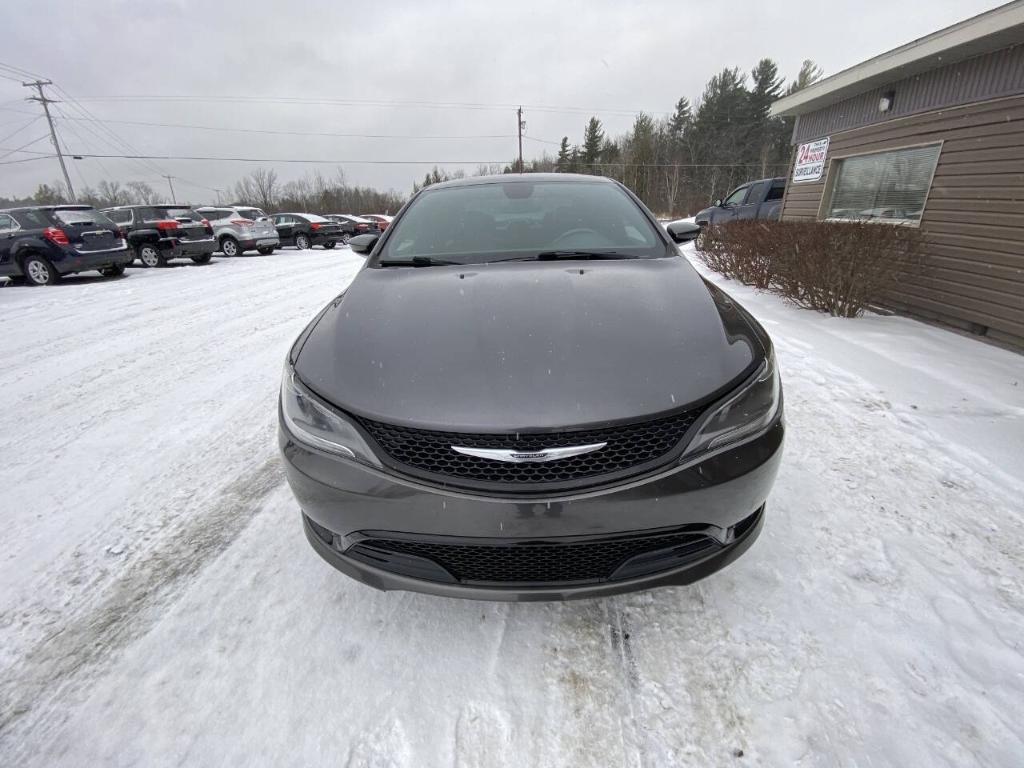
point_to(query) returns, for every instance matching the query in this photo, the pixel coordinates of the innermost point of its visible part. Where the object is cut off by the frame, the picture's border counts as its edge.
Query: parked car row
(41, 244)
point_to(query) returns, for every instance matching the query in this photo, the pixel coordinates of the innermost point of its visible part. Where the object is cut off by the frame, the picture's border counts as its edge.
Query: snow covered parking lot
(160, 606)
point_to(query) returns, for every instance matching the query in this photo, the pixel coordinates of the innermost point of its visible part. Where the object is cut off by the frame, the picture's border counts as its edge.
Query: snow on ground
(160, 606)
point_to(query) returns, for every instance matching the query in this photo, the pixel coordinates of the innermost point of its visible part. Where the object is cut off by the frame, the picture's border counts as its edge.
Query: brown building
(929, 135)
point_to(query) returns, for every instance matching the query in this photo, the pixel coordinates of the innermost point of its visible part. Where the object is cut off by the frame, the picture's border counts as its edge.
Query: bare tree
(141, 193)
(265, 184)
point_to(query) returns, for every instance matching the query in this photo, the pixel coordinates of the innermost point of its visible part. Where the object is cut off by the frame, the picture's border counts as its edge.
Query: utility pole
(520, 125)
(42, 99)
(171, 186)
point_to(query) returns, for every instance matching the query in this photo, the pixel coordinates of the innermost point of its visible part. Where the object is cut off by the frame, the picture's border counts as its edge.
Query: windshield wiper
(416, 261)
(553, 255)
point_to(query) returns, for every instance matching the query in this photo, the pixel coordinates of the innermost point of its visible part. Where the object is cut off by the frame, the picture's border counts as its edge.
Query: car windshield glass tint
(216, 214)
(518, 219)
(251, 213)
(319, 219)
(84, 218)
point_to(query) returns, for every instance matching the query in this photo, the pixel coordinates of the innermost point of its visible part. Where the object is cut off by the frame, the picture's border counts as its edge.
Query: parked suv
(158, 233)
(41, 244)
(240, 228)
(353, 225)
(304, 230)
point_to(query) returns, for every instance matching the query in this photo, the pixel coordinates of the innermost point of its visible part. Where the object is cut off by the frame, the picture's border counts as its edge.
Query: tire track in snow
(36, 693)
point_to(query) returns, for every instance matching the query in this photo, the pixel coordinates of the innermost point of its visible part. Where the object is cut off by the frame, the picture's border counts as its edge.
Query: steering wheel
(577, 231)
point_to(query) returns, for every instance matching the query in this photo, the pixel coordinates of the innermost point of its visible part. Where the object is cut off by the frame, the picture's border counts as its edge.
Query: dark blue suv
(41, 244)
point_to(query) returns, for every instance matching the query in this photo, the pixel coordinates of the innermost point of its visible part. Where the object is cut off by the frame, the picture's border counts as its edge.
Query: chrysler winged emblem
(519, 457)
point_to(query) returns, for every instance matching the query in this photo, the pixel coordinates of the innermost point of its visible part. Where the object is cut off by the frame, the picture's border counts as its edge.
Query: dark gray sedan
(527, 393)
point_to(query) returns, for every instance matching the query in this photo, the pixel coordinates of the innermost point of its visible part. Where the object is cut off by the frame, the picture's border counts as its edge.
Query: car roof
(505, 178)
(21, 208)
(148, 205)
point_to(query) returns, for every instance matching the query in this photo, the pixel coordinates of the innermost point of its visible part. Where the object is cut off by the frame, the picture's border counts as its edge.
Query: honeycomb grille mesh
(542, 562)
(628, 446)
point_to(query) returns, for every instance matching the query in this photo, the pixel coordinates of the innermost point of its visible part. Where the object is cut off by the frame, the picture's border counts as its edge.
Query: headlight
(316, 424)
(747, 412)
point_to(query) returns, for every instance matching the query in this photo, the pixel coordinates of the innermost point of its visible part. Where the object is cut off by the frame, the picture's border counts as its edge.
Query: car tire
(266, 251)
(113, 271)
(302, 242)
(150, 256)
(229, 247)
(203, 258)
(39, 271)
(329, 246)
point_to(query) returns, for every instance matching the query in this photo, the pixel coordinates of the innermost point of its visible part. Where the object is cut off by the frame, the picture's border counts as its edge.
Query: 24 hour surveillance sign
(810, 160)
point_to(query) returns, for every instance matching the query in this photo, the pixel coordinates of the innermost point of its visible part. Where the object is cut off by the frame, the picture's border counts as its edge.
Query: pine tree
(809, 74)
(562, 163)
(593, 136)
(767, 88)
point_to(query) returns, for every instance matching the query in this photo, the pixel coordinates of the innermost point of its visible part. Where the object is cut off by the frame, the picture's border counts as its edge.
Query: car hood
(527, 345)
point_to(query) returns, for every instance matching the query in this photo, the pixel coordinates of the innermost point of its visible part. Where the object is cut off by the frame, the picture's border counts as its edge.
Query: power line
(22, 128)
(28, 152)
(303, 133)
(27, 159)
(361, 161)
(286, 160)
(370, 103)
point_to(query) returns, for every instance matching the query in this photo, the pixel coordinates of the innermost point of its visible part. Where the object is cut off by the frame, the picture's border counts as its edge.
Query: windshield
(251, 213)
(83, 217)
(492, 222)
(318, 219)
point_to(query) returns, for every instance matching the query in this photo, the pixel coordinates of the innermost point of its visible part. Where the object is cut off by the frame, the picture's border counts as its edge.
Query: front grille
(546, 562)
(631, 448)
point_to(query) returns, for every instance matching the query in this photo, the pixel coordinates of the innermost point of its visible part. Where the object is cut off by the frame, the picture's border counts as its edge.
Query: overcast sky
(609, 58)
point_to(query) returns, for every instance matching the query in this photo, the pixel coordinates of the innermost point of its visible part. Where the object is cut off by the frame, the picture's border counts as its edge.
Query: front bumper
(724, 493)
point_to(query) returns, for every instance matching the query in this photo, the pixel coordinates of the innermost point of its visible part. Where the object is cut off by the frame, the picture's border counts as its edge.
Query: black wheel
(345, 238)
(302, 242)
(266, 250)
(150, 256)
(329, 246)
(113, 271)
(229, 247)
(39, 271)
(203, 259)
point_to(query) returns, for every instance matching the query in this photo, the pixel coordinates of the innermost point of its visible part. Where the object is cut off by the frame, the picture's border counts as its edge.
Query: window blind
(884, 185)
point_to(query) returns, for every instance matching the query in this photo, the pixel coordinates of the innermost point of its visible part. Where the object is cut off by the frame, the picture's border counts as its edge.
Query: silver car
(240, 228)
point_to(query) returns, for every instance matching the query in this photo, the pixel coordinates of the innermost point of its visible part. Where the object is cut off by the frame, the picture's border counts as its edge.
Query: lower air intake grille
(548, 562)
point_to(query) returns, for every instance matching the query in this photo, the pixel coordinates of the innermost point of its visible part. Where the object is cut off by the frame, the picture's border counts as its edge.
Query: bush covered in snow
(834, 267)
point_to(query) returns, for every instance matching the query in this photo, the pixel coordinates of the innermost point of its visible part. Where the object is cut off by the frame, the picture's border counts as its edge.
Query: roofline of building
(989, 31)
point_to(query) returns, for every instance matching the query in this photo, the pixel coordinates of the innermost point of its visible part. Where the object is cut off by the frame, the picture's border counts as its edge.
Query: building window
(892, 185)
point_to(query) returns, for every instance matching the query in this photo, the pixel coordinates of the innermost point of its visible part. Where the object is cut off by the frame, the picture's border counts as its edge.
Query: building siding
(973, 222)
(981, 78)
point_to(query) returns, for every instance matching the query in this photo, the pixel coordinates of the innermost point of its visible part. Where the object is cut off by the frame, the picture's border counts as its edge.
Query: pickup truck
(761, 199)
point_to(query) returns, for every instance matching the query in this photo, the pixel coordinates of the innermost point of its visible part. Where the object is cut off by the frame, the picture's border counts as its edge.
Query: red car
(383, 220)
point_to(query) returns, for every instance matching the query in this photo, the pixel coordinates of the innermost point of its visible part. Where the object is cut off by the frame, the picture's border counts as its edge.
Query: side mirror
(363, 243)
(718, 203)
(683, 231)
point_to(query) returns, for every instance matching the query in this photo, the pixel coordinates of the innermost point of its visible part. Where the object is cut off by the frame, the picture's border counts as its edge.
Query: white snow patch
(878, 621)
